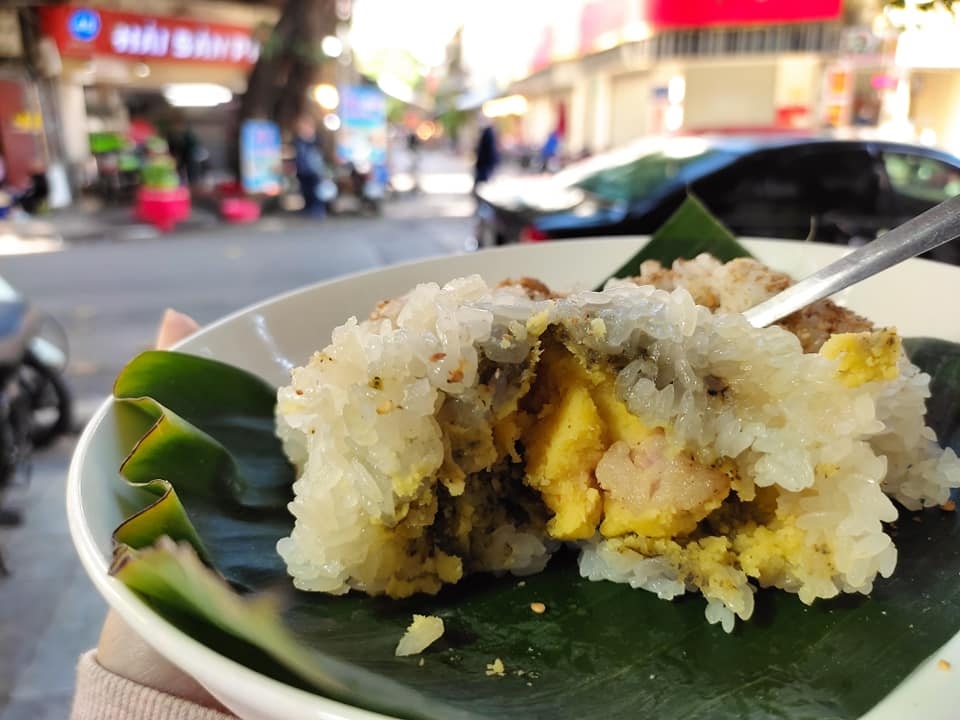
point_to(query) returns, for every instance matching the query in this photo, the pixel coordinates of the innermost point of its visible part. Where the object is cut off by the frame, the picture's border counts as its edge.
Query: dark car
(792, 187)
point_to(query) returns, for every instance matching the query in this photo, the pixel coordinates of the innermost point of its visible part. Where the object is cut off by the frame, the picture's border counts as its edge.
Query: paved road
(109, 297)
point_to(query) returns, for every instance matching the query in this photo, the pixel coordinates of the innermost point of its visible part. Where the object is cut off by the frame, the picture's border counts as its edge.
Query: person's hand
(123, 652)
(120, 649)
(174, 327)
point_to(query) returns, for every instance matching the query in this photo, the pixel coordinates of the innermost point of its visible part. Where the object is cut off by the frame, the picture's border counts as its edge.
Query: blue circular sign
(84, 24)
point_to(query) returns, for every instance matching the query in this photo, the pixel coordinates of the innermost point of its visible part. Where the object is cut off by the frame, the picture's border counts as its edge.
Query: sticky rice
(468, 428)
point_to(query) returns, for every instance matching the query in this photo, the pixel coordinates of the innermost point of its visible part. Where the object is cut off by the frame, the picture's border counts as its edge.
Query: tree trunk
(289, 63)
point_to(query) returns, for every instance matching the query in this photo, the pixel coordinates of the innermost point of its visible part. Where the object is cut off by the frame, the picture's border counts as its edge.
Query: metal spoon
(933, 228)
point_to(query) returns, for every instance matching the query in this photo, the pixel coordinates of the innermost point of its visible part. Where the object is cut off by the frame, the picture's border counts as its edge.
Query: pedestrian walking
(487, 157)
(309, 166)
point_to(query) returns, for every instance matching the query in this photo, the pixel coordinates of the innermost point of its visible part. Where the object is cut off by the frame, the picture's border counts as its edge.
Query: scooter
(42, 376)
(368, 187)
(36, 405)
(360, 186)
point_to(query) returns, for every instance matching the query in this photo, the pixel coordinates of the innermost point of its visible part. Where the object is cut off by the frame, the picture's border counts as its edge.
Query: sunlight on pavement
(434, 183)
(456, 208)
(11, 244)
(446, 184)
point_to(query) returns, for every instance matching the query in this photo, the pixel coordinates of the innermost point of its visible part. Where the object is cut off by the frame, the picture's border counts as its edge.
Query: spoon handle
(930, 229)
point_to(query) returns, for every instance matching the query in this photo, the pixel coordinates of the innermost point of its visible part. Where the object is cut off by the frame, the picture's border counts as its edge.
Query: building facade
(927, 68)
(113, 69)
(607, 72)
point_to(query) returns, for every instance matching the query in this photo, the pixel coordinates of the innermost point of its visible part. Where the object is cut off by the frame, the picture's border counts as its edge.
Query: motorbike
(369, 187)
(36, 405)
(360, 185)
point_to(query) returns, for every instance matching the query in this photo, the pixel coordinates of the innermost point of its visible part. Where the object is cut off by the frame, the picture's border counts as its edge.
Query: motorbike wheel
(51, 403)
(15, 445)
(9, 448)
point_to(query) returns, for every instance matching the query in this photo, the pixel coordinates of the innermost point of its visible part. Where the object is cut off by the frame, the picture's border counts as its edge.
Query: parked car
(792, 187)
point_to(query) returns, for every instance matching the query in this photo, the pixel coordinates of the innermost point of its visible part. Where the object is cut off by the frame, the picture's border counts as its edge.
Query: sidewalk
(93, 221)
(89, 221)
(442, 176)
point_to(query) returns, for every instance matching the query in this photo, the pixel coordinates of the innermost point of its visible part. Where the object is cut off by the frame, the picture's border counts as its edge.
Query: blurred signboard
(666, 14)
(837, 95)
(260, 159)
(603, 24)
(362, 137)
(84, 32)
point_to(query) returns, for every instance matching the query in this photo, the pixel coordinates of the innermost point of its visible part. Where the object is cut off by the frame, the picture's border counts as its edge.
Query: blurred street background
(109, 295)
(207, 155)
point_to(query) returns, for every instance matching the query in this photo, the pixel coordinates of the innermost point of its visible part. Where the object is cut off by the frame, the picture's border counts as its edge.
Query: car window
(758, 196)
(841, 179)
(789, 192)
(643, 176)
(921, 178)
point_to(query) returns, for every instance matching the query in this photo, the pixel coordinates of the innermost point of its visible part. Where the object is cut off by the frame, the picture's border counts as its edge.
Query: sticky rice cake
(465, 429)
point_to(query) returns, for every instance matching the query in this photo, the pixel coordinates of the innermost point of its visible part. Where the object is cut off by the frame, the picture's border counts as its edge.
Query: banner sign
(260, 160)
(362, 137)
(663, 14)
(84, 32)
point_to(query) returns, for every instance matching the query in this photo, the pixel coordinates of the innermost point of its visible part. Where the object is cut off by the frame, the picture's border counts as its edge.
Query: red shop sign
(84, 32)
(602, 17)
(676, 14)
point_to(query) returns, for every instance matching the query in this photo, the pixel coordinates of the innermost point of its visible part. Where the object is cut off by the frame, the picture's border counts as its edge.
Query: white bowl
(271, 337)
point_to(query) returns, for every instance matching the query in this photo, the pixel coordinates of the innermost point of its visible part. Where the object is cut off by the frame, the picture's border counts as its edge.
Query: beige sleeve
(103, 695)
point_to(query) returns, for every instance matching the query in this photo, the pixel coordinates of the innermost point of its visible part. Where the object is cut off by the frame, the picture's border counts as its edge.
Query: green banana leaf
(691, 230)
(941, 359)
(600, 649)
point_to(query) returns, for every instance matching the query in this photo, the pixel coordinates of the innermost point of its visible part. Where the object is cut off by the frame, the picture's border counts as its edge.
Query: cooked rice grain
(406, 482)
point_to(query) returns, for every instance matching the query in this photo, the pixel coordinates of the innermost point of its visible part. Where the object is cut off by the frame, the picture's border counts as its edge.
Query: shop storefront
(736, 67)
(123, 77)
(641, 68)
(927, 101)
